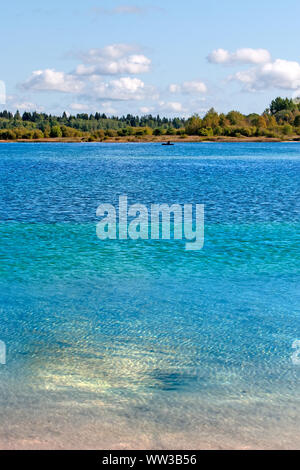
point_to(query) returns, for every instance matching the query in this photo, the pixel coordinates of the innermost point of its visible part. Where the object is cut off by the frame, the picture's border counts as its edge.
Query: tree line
(280, 120)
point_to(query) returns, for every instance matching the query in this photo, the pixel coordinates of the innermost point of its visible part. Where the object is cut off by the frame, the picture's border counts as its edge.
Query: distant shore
(157, 139)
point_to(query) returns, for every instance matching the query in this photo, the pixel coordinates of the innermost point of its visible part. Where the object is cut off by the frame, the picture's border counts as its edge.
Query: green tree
(38, 134)
(211, 119)
(193, 125)
(236, 118)
(17, 116)
(287, 129)
(297, 121)
(55, 132)
(280, 104)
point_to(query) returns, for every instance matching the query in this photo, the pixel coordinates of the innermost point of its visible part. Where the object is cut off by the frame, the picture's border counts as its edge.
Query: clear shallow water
(143, 344)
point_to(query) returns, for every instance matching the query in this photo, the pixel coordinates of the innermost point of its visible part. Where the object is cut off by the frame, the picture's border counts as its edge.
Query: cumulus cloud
(113, 51)
(89, 83)
(191, 87)
(122, 89)
(241, 56)
(133, 64)
(88, 80)
(52, 80)
(281, 74)
(266, 73)
(116, 59)
(194, 87)
(108, 75)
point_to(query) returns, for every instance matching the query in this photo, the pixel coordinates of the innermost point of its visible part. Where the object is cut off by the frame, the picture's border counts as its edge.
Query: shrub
(98, 135)
(206, 131)
(38, 134)
(7, 135)
(287, 130)
(111, 133)
(55, 132)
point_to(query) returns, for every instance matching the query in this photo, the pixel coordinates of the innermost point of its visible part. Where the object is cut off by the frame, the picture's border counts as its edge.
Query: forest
(281, 121)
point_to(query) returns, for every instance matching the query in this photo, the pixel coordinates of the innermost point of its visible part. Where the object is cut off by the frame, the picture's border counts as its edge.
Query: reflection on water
(145, 345)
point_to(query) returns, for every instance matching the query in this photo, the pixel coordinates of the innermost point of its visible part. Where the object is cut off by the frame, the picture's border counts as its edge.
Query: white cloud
(194, 87)
(87, 82)
(133, 64)
(281, 74)
(219, 56)
(122, 89)
(128, 84)
(241, 56)
(191, 87)
(113, 51)
(116, 59)
(51, 80)
(266, 74)
(174, 88)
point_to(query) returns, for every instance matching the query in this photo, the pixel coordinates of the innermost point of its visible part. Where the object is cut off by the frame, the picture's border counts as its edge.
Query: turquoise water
(125, 344)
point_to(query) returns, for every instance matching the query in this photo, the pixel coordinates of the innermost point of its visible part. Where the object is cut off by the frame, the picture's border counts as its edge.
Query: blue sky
(140, 56)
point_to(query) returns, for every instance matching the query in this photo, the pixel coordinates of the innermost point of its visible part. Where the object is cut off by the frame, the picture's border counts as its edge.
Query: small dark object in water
(168, 143)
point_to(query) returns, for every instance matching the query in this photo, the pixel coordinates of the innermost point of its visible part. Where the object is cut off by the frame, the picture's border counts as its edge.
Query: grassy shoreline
(158, 139)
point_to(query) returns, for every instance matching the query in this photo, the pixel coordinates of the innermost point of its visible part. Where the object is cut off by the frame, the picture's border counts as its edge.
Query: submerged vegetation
(280, 121)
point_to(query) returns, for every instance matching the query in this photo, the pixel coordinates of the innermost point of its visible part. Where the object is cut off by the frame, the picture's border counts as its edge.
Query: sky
(169, 57)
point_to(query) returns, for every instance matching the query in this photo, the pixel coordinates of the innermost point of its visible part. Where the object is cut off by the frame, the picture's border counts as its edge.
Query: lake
(125, 344)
